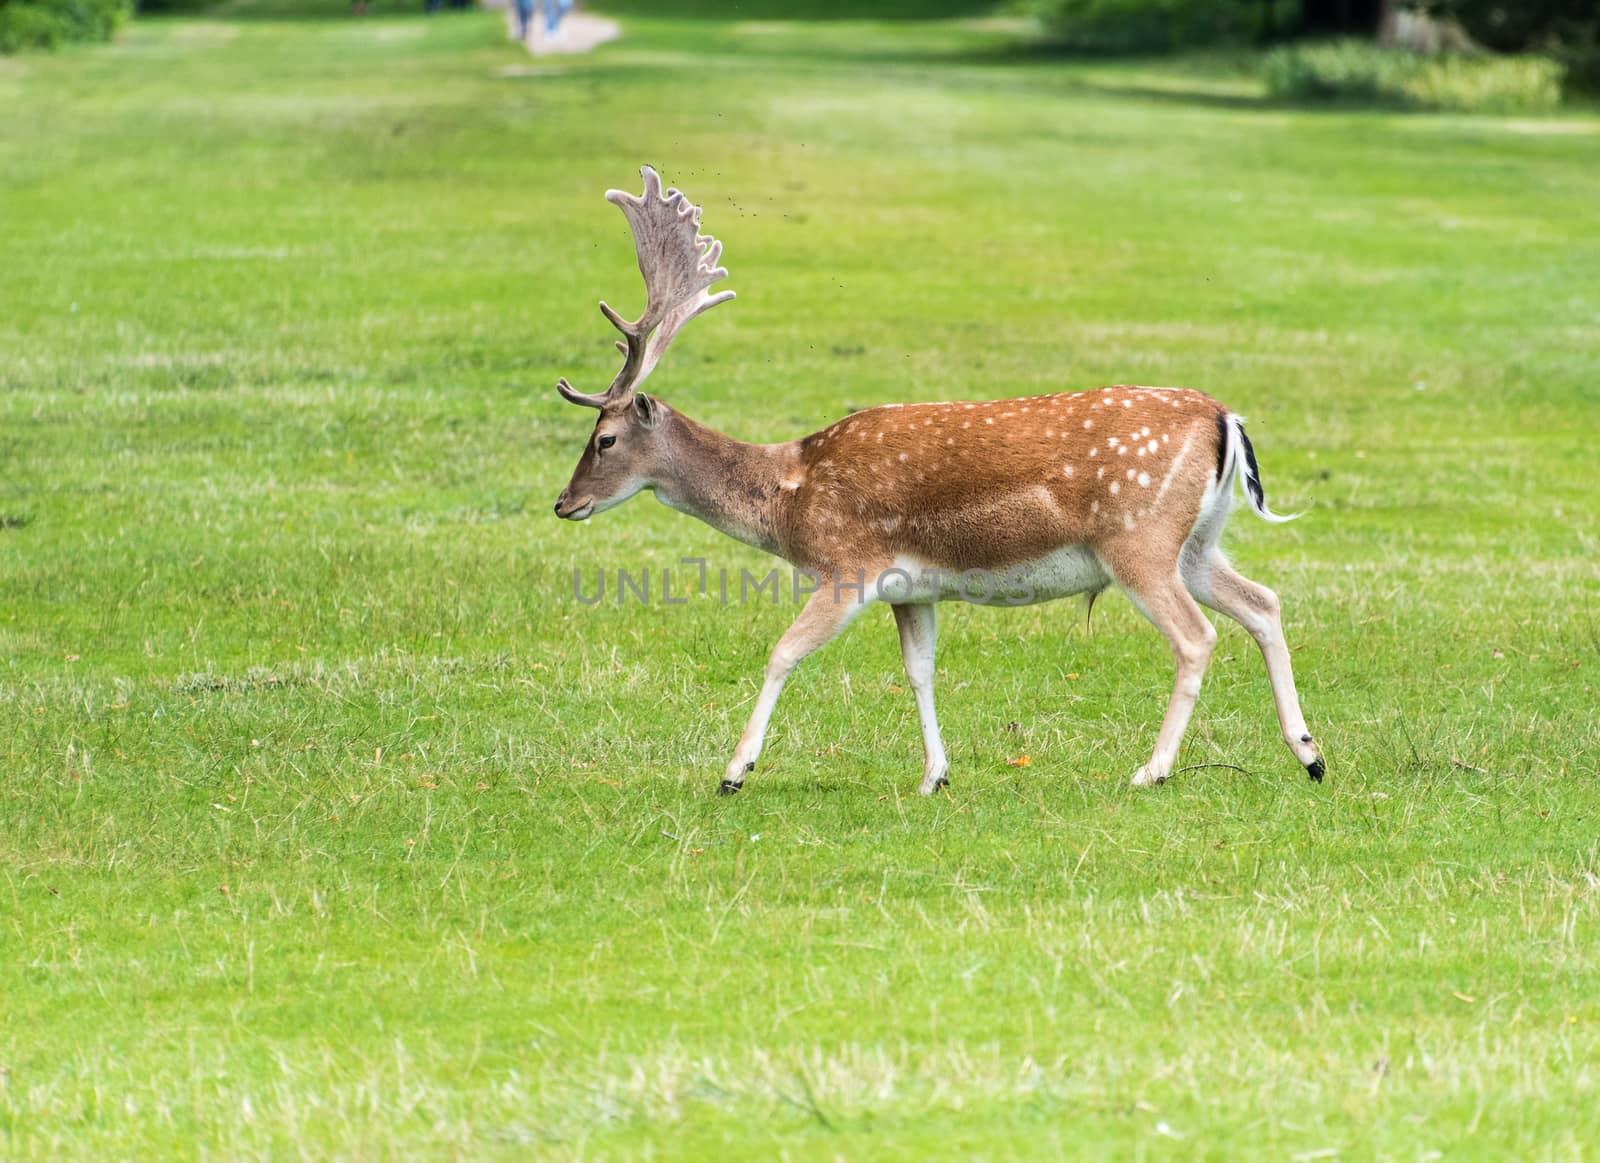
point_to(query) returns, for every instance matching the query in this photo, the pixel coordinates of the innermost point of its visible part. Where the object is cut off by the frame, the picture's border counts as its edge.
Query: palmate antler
(678, 263)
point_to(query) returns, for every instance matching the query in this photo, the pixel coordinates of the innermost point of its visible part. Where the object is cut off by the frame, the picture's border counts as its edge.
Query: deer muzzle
(569, 510)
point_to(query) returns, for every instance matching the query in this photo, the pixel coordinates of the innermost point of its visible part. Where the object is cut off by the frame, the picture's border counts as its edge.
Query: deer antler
(678, 264)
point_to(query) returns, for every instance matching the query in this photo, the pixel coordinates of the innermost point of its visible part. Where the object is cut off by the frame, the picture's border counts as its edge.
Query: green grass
(332, 825)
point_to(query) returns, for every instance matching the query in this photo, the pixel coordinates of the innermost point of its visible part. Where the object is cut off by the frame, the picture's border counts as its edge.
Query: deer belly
(1072, 569)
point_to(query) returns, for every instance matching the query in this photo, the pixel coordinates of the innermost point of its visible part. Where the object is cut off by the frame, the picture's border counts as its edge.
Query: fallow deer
(1059, 494)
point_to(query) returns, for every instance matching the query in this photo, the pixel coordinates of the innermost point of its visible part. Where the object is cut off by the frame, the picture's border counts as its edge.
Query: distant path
(579, 31)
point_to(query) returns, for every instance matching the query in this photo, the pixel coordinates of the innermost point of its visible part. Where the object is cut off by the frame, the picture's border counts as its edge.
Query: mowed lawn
(331, 824)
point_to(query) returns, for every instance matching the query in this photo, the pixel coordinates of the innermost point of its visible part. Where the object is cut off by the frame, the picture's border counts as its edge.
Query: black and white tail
(1240, 458)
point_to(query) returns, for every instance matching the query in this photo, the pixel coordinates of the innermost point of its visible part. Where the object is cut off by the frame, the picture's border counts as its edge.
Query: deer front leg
(825, 614)
(918, 626)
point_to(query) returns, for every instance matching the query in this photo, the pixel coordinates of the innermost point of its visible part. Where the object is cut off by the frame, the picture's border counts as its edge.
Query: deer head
(679, 264)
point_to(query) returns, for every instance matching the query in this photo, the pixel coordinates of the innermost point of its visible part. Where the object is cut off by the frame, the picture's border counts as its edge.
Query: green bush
(1568, 30)
(44, 24)
(25, 26)
(1153, 26)
(1362, 73)
(1582, 62)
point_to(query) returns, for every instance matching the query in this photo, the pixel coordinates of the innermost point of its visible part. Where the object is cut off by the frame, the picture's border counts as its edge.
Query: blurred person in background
(554, 10)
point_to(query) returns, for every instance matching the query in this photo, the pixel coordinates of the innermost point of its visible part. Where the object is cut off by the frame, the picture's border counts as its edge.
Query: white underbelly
(1058, 574)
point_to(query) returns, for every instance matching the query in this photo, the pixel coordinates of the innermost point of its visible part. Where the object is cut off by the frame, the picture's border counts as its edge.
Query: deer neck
(730, 485)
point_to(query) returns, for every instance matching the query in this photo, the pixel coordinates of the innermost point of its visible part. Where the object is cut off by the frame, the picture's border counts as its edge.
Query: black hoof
(727, 787)
(942, 781)
(1315, 769)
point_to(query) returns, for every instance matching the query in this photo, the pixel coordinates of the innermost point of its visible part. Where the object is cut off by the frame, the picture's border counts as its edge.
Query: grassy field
(332, 825)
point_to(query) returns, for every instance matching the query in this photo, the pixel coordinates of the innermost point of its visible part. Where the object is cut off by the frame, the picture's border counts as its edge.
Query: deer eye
(607, 441)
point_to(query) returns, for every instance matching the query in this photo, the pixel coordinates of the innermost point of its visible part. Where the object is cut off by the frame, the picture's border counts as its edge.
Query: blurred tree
(1565, 30)
(1520, 25)
(1344, 17)
(1568, 30)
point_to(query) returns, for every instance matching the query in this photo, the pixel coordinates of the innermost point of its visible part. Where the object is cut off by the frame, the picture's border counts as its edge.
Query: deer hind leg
(1162, 597)
(823, 616)
(1255, 607)
(918, 626)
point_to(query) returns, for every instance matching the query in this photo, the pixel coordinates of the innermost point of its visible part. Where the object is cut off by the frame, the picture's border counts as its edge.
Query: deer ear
(646, 411)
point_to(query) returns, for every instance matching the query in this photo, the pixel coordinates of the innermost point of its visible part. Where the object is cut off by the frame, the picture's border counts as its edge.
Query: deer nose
(561, 502)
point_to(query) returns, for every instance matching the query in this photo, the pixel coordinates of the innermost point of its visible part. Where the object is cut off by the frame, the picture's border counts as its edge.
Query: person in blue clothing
(524, 17)
(554, 10)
